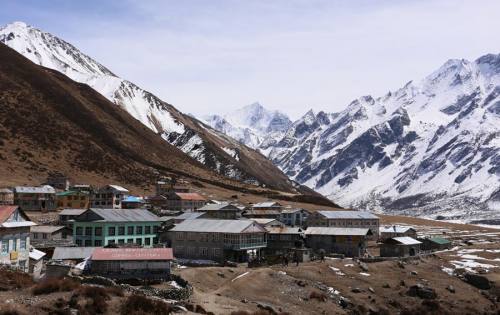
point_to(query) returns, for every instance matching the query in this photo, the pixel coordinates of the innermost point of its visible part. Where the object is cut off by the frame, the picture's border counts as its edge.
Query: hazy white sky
(292, 55)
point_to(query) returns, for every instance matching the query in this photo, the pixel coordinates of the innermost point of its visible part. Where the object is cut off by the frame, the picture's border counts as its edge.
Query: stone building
(345, 219)
(403, 246)
(42, 198)
(350, 242)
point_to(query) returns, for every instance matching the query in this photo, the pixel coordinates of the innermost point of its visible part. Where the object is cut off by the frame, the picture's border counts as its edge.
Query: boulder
(363, 266)
(478, 281)
(451, 288)
(422, 292)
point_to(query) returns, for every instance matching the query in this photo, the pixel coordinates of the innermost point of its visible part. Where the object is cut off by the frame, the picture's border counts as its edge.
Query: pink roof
(132, 254)
(6, 212)
(190, 196)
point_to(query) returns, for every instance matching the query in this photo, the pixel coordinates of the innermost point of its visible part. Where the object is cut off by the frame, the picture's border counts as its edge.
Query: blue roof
(133, 199)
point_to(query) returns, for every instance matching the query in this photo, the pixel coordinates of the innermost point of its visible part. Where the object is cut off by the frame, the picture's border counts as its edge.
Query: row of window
(121, 230)
(97, 243)
(76, 197)
(227, 238)
(8, 246)
(193, 251)
(61, 204)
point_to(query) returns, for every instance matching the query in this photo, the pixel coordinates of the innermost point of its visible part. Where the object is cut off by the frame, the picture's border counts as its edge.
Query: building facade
(109, 197)
(73, 199)
(185, 201)
(217, 240)
(267, 205)
(294, 217)
(350, 242)
(6, 196)
(42, 198)
(387, 232)
(128, 263)
(14, 237)
(58, 181)
(346, 219)
(50, 236)
(403, 246)
(221, 211)
(101, 227)
(282, 240)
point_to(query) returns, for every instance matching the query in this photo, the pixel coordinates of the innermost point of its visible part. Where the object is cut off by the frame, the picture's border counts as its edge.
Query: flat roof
(317, 230)
(124, 215)
(406, 240)
(72, 211)
(218, 226)
(46, 189)
(333, 214)
(105, 254)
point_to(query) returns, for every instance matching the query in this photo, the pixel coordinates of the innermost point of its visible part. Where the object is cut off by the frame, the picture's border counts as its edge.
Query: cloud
(215, 56)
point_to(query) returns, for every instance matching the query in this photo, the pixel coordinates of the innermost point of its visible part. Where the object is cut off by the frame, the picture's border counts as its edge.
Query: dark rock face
(422, 292)
(478, 281)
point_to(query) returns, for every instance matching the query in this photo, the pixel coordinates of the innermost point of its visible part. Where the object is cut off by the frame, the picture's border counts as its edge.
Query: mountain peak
(16, 24)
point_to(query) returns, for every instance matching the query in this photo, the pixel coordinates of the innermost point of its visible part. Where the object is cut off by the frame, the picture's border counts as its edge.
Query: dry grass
(141, 305)
(320, 296)
(55, 285)
(13, 279)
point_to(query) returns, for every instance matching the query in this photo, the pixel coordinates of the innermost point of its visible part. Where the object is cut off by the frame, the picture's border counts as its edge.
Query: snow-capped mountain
(211, 148)
(250, 125)
(430, 148)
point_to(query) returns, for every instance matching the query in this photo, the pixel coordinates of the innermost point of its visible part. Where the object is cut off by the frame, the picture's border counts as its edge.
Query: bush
(55, 285)
(14, 279)
(140, 305)
(322, 297)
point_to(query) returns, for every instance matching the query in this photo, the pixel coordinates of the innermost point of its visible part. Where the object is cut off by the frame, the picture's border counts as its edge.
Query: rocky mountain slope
(430, 148)
(207, 146)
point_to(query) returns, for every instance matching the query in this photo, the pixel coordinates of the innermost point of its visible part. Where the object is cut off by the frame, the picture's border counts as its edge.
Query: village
(59, 229)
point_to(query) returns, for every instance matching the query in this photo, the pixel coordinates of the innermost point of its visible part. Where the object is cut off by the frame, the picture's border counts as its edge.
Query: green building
(101, 227)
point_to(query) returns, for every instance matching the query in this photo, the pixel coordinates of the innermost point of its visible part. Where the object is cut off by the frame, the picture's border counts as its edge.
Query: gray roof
(68, 253)
(46, 228)
(46, 189)
(406, 240)
(294, 210)
(316, 230)
(5, 190)
(395, 229)
(72, 211)
(219, 206)
(218, 226)
(266, 204)
(264, 221)
(189, 216)
(125, 215)
(284, 230)
(332, 214)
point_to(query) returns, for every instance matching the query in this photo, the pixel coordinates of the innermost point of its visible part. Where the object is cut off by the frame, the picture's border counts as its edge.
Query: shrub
(14, 279)
(320, 296)
(55, 285)
(139, 305)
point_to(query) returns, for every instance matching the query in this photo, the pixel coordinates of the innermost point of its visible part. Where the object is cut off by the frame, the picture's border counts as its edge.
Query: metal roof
(294, 210)
(68, 253)
(406, 240)
(72, 193)
(258, 212)
(46, 189)
(284, 230)
(36, 254)
(332, 214)
(264, 221)
(439, 240)
(132, 254)
(46, 228)
(266, 204)
(72, 211)
(5, 190)
(220, 206)
(124, 215)
(133, 199)
(316, 230)
(395, 229)
(6, 212)
(119, 188)
(190, 196)
(189, 216)
(218, 226)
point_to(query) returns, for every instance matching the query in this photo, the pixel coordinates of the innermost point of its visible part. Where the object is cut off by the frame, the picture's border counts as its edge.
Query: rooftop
(405, 240)
(134, 199)
(72, 211)
(70, 253)
(315, 230)
(46, 189)
(395, 229)
(218, 226)
(439, 240)
(5, 190)
(123, 215)
(36, 254)
(132, 254)
(71, 193)
(293, 210)
(6, 212)
(332, 214)
(266, 204)
(46, 228)
(284, 230)
(190, 196)
(219, 206)
(189, 216)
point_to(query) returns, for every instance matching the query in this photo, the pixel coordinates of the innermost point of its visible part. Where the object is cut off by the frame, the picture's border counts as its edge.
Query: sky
(208, 57)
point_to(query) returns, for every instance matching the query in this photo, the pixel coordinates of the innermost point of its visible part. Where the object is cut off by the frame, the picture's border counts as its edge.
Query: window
(79, 230)
(111, 231)
(23, 243)
(5, 246)
(147, 241)
(44, 236)
(204, 251)
(138, 241)
(130, 230)
(98, 231)
(97, 243)
(147, 229)
(155, 229)
(179, 235)
(88, 243)
(22, 264)
(130, 240)
(139, 230)
(155, 240)
(88, 230)
(121, 230)
(117, 202)
(111, 242)
(121, 241)
(78, 242)
(35, 236)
